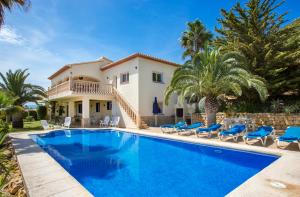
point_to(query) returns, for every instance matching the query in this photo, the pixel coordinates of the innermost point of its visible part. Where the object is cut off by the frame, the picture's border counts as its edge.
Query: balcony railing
(81, 87)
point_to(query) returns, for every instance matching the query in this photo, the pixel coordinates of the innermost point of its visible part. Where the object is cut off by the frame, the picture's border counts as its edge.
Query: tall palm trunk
(211, 109)
(17, 120)
(8, 118)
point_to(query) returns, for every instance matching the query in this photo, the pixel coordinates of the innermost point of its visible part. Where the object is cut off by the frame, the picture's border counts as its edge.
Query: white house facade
(88, 91)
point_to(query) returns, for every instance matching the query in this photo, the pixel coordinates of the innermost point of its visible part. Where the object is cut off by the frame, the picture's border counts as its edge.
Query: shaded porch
(84, 112)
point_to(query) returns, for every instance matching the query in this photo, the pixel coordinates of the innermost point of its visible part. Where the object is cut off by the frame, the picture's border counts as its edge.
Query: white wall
(125, 120)
(85, 69)
(129, 91)
(60, 78)
(149, 89)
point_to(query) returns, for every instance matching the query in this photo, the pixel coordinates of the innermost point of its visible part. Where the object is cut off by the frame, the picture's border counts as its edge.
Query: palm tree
(8, 4)
(14, 84)
(211, 75)
(7, 105)
(194, 38)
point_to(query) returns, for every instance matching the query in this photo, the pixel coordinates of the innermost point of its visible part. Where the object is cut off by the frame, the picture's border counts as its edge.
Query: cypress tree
(268, 41)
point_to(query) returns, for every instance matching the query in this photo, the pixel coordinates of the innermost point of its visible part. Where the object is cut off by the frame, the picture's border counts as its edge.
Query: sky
(52, 33)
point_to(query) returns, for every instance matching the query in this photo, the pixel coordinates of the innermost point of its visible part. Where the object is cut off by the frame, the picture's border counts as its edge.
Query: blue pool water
(112, 163)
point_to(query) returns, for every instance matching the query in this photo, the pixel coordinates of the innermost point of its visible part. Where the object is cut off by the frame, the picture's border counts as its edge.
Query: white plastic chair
(115, 121)
(105, 122)
(45, 124)
(67, 122)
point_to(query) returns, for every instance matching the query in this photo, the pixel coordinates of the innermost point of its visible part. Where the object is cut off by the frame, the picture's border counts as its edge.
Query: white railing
(81, 87)
(63, 87)
(86, 87)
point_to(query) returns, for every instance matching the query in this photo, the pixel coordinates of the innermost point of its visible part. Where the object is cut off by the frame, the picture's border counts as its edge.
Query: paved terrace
(43, 176)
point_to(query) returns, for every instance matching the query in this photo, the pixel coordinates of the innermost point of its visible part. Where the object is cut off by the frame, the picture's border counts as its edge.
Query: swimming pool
(115, 163)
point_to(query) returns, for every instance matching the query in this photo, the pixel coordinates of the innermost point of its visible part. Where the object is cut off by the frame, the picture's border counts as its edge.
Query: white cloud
(9, 35)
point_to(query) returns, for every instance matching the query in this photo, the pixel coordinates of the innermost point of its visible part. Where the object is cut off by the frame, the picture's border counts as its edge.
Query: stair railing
(131, 112)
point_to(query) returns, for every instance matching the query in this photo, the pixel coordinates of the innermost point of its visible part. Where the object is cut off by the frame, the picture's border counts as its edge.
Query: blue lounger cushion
(195, 125)
(262, 131)
(212, 127)
(291, 134)
(234, 130)
(179, 124)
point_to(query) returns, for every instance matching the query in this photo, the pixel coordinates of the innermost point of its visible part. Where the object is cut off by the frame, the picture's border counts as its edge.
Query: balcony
(79, 88)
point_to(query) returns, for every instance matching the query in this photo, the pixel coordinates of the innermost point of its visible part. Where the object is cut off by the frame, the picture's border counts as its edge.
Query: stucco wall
(129, 91)
(60, 78)
(125, 121)
(149, 89)
(103, 110)
(85, 69)
(150, 120)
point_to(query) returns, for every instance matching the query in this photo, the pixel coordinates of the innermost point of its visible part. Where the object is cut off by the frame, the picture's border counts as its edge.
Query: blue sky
(56, 32)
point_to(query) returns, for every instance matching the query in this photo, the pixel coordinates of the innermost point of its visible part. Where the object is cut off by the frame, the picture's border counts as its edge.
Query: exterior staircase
(144, 125)
(134, 116)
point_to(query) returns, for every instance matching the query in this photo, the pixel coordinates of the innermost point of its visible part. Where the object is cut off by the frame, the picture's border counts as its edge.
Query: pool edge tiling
(42, 175)
(283, 171)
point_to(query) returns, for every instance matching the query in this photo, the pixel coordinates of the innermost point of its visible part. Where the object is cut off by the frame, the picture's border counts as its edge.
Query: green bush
(244, 106)
(292, 107)
(2, 116)
(276, 106)
(4, 129)
(42, 112)
(28, 119)
(4, 171)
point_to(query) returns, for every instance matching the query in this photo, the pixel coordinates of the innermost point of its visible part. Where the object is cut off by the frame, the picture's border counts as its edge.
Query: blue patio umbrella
(155, 109)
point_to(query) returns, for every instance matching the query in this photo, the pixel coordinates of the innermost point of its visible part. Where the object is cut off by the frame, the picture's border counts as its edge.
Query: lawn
(28, 126)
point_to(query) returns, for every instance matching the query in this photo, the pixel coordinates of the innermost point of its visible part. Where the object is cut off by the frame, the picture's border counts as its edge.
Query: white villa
(88, 91)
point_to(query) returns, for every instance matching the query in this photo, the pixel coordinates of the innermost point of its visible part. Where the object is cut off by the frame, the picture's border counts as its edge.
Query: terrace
(79, 88)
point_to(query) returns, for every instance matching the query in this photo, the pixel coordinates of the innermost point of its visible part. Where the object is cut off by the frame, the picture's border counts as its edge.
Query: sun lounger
(45, 124)
(261, 133)
(189, 129)
(115, 121)
(208, 130)
(233, 132)
(67, 122)
(291, 135)
(171, 128)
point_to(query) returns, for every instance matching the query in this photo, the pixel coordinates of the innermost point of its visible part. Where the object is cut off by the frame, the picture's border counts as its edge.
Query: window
(109, 105)
(80, 108)
(97, 107)
(157, 77)
(124, 78)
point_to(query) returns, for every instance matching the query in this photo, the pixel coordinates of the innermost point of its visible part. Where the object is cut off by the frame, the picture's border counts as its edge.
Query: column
(85, 121)
(71, 105)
